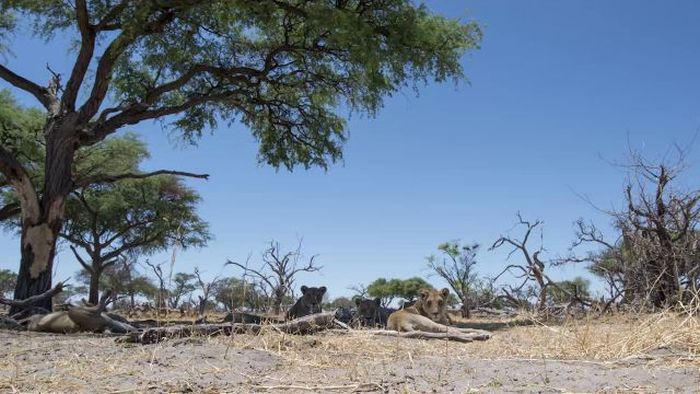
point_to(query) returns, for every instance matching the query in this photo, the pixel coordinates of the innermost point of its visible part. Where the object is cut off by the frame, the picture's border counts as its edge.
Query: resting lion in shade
(309, 302)
(428, 315)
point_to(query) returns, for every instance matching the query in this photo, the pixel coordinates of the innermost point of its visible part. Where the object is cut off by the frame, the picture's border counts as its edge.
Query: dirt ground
(643, 354)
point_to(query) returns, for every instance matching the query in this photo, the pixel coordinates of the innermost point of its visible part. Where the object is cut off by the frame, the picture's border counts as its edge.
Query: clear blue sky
(556, 90)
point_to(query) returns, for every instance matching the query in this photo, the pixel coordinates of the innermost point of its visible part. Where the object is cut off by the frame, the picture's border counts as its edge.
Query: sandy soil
(330, 362)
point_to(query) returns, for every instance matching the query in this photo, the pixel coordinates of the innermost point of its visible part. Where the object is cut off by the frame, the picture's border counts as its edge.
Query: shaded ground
(329, 362)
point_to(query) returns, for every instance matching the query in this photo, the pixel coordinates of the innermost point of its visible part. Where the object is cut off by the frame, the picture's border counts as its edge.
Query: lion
(370, 313)
(56, 322)
(309, 302)
(427, 314)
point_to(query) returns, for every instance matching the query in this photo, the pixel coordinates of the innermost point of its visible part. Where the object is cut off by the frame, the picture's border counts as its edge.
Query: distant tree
(236, 293)
(182, 285)
(531, 271)
(138, 215)
(123, 279)
(278, 272)
(342, 302)
(611, 266)
(410, 288)
(388, 290)
(162, 294)
(569, 290)
(360, 290)
(7, 281)
(457, 269)
(206, 289)
(282, 68)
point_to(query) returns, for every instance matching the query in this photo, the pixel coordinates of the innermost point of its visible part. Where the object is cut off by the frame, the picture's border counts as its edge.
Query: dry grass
(353, 361)
(601, 339)
(668, 338)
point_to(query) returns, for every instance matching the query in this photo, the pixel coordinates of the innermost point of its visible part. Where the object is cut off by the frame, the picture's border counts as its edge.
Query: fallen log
(29, 302)
(465, 337)
(8, 323)
(304, 325)
(497, 312)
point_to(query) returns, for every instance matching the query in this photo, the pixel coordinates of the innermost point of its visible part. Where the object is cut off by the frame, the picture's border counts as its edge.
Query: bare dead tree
(278, 271)
(655, 260)
(607, 263)
(162, 294)
(533, 269)
(206, 287)
(360, 290)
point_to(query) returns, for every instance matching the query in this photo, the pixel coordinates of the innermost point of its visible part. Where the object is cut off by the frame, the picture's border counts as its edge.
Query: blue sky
(557, 90)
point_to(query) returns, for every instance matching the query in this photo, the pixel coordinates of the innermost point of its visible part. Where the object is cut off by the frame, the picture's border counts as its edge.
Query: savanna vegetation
(291, 72)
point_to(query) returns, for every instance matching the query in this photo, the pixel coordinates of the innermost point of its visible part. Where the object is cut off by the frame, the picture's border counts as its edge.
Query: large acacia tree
(281, 67)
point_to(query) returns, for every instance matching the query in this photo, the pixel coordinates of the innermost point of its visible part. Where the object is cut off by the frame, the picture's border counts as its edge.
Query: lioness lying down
(428, 315)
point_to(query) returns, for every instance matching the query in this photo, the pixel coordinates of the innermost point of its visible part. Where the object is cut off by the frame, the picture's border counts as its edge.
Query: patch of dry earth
(330, 362)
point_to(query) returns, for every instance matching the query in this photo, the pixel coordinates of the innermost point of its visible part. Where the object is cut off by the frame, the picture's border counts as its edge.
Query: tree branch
(82, 262)
(40, 93)
(82, 62)
(109, 58)
(106, 178)
(9, 211)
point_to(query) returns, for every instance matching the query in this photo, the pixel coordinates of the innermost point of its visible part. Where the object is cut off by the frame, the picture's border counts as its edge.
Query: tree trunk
(28, 285)
(43, 218)
(94, 295)
(202, 305)
(465, 310)
(279, 298)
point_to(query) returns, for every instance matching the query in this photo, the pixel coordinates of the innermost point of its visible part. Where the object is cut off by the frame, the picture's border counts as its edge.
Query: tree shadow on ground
(493, 325)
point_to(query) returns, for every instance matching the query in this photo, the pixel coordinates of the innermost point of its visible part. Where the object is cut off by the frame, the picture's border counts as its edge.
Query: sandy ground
(516, 359)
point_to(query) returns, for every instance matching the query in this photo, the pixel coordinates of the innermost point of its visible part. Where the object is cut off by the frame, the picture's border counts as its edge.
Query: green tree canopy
(388, 290)
(235, 293)
(123, 279)
(7, 281)
(132, 215)
(456, 267)
(578, 287)
(182, 285)
(341, 302)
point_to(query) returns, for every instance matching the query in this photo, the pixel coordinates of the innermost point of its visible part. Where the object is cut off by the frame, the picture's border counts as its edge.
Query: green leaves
(286, 69)
(8, 279)
(387, 290)
(147, 215)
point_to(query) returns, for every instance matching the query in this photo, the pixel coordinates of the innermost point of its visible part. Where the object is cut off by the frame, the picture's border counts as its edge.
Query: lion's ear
(303, 289)
(445, 292)
(322, 289)
(423, 293)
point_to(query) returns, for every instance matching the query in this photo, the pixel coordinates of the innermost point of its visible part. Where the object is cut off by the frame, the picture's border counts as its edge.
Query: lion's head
(367, 309)
(432, 303)
(312, 298)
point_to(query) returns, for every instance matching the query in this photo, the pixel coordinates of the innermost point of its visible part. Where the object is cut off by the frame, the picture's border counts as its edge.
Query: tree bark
(465, 309)
(43, 218)
(29, 284)
(94, 295)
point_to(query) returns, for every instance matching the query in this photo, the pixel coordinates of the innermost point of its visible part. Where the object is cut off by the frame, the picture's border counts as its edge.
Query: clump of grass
(602, 338)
